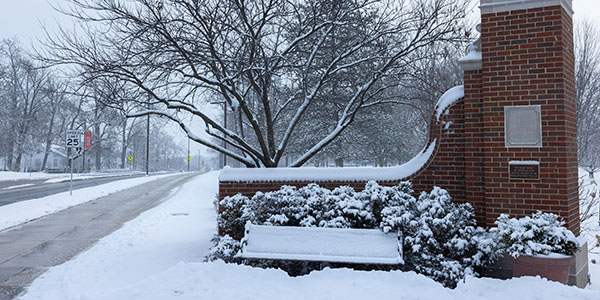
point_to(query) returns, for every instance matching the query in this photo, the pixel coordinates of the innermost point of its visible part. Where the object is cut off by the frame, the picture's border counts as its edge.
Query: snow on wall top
(471, 56)
(524, 162)
(449, 98)
(331, 174)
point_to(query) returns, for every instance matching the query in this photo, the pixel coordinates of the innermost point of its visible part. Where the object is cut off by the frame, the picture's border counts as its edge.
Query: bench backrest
(363, 246)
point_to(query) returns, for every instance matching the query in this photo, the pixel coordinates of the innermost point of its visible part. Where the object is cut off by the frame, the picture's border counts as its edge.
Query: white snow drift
(159, 254)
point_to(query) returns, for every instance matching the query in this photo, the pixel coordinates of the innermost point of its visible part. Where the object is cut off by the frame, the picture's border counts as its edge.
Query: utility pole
(148, 140)
(225, 126)
(188, 157)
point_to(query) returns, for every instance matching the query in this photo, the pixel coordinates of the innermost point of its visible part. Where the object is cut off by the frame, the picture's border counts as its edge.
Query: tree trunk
(19, 157)
(49, 138)
(20, 145)
(11, 149)
(46, 153)
(124, 144)
(97, 146)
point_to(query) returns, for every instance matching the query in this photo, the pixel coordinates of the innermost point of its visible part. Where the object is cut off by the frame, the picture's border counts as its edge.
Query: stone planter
(555, 268)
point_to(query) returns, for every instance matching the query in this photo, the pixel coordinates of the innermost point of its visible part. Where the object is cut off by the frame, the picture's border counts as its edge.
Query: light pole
(188, 155)
(147, 144)
(148, 138)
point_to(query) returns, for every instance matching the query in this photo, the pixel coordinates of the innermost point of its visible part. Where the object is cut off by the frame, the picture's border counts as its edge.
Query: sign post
(73, 141)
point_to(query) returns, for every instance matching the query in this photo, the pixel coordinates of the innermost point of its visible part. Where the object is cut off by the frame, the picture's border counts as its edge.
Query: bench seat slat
(343, 245)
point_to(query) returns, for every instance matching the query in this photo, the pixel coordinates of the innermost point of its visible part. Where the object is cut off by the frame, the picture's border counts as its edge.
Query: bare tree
(587, 86)
(263, 59)
(56, 100)
(589, 199)
(26, 93)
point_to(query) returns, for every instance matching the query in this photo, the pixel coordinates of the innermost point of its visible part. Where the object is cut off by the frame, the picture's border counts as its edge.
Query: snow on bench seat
(343, 245)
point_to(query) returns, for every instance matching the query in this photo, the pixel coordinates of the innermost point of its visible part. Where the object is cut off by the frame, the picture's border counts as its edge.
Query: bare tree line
(301, 82)
(587, 86)
(281, 68)
(38, 104)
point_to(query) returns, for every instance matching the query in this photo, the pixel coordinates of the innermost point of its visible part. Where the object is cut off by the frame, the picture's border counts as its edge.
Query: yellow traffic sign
(189, 157)
(130, 158)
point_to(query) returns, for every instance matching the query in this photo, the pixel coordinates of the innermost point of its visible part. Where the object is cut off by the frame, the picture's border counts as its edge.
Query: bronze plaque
(524, 171)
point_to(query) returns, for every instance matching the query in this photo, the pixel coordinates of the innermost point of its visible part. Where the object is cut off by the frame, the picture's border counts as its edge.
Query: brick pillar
(527, 70)
(474, 171)
(473, 130)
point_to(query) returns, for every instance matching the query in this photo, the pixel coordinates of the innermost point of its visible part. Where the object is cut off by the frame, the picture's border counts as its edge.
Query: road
(28, 250)
(20, 190)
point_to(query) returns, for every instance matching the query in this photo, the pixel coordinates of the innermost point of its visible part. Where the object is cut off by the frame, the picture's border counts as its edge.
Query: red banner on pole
(88, 139)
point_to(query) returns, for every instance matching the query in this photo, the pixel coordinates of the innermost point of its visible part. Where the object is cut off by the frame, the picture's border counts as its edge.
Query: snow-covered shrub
(289, 206)
(378, 197)
(540, 234)
(224, 248)
(232, 216)
(441, 238)
(345, 209)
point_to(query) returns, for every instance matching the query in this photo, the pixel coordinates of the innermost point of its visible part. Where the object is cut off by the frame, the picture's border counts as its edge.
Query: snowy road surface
(23, 211)
(29, 249)
(26, 190)
(159, 256)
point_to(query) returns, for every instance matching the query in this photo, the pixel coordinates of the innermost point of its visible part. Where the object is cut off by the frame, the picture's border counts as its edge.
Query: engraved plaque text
(524, 171)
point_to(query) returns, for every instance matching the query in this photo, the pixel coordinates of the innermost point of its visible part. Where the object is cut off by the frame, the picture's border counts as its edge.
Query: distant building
(57, 161)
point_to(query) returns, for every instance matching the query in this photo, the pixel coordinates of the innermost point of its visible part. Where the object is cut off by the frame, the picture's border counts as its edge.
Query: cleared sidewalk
(28, 250)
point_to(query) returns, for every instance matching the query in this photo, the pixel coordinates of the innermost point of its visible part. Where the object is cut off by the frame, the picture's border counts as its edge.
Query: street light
(223, 156)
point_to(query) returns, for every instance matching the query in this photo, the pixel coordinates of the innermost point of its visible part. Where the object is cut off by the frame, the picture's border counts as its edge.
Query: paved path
(28, 250)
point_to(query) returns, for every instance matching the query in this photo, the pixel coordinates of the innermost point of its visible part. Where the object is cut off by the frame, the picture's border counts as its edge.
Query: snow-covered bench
(341, 245)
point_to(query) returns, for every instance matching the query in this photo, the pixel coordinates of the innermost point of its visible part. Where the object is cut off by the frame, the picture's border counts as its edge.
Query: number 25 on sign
(73, 139)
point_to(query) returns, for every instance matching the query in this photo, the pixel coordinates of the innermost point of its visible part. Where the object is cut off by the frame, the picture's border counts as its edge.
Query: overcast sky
(25, 18)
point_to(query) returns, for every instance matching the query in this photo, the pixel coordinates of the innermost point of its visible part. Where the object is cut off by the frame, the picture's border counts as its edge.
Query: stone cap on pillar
(472, 61)
(496, 6)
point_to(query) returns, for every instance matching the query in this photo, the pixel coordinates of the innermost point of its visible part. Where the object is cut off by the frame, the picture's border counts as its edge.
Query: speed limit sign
(73, 139)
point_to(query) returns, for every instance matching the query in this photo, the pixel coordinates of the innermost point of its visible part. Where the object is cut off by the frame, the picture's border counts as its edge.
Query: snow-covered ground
(590, 230)
(61, 177)
(93, 175)
(159, 256)
(9, 176)
(21, 212)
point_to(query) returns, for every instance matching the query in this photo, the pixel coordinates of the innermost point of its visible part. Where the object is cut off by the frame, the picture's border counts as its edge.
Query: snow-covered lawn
(159, 256)
(9, 176)
(92, 175)
(590, 230)
(62, 177)
(21, 212)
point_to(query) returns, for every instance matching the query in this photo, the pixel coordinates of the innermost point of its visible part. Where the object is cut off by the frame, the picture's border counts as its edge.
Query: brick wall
(527, 58)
